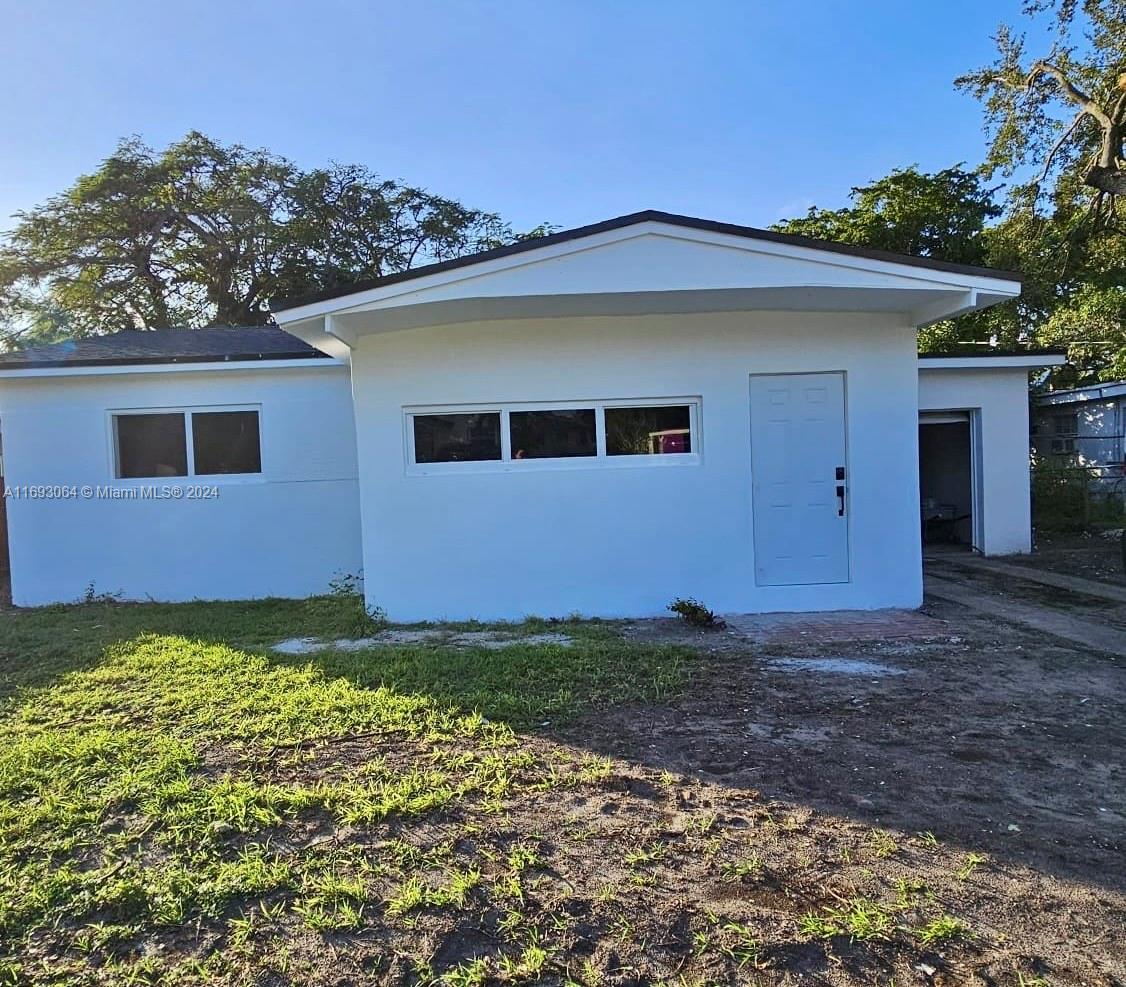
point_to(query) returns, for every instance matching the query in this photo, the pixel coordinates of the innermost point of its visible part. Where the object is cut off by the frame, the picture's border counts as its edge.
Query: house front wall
(284, 532)
(507, 540)
(997, 399)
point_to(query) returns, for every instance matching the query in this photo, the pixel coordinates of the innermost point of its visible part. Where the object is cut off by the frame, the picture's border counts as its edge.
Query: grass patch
(160, 768)
(858, 918)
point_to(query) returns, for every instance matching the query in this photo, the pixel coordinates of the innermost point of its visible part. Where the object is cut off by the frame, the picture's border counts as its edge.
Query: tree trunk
(1109, 180)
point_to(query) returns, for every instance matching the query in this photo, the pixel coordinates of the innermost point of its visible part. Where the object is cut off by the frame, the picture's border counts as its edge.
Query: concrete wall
(503, 542)
(999, 397)
(283, 533)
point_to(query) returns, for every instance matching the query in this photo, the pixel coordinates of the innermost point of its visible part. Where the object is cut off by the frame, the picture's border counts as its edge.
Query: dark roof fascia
(124, 361)
(991, 355)
(634, 219)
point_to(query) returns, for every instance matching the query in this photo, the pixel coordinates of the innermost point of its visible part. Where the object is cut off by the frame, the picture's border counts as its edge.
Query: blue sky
(545, 110)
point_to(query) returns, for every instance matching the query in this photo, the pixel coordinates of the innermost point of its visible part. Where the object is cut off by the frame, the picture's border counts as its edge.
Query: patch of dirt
(1092, 556)
(999, 742)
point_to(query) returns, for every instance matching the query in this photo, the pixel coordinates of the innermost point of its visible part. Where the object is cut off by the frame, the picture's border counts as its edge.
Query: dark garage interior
(946, 481)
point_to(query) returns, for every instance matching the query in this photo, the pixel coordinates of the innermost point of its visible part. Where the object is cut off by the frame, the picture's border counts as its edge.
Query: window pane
(457, 438)
(151, 445)
(553, 434)
(648, 431)
(226, 442)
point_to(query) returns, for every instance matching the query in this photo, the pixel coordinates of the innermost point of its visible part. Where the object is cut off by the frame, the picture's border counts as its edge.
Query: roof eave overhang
(816, 279)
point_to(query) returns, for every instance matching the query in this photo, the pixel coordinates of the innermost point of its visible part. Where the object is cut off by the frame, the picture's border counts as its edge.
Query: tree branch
(1058, 144)
(1073, 93)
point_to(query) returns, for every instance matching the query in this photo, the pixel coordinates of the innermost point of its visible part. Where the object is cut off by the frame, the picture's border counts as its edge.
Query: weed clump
(695, 614)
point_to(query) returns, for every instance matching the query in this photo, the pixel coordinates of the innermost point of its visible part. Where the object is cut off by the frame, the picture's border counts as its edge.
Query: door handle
(840, 499)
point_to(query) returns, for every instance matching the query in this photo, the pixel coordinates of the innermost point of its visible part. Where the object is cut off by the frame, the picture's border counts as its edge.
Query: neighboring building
(597, 421)
(1083, 426)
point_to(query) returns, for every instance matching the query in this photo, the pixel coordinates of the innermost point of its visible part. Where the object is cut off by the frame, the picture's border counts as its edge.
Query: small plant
(695, 614)
(742, 869)
(883, 843)
(343, 609)
(942, 930)
(91, 595)
(645, 855)
(858, 918)
(970, 864)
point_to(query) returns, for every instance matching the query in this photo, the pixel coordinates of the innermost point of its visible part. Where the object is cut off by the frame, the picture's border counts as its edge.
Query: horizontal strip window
(657, 431)
(154, 444)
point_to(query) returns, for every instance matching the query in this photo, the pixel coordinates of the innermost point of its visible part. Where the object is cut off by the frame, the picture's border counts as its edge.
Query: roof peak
(635, 219)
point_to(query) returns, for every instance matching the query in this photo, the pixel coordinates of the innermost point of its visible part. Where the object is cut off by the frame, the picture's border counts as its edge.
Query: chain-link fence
(1077, 498)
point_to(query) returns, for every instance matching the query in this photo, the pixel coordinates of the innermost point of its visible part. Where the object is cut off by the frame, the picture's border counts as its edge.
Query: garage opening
(947, 479)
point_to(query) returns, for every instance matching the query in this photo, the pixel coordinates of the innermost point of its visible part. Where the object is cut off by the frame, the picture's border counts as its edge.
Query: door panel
(799, 504)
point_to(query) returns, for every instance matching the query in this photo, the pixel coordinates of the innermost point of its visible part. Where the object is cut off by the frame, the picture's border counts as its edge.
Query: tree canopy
(203, 233)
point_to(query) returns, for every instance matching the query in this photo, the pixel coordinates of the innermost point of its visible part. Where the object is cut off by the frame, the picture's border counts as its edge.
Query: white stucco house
(597, 421)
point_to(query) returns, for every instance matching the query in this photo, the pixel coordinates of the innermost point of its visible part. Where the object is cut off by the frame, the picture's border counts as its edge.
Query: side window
(553, 434)
(453, 438)
(656, 431)
(572, 434)
(226, 442)
(150, 445)
(156, 444)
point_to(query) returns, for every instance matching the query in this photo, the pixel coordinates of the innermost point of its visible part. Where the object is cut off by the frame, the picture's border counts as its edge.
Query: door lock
(840, 499)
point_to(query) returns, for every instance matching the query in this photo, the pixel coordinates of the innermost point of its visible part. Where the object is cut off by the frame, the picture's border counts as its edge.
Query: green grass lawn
(177, 804)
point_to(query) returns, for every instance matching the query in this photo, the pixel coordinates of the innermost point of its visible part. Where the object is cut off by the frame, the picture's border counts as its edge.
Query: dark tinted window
(226, 442)
(648, 431)
(457, 437)
(553, 434)
(151, 445)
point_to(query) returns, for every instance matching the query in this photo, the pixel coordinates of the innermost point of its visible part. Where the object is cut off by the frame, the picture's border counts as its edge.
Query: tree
(1064, 112)
(1057, 126)
(941, 215)
(206, 234)
(944, 215)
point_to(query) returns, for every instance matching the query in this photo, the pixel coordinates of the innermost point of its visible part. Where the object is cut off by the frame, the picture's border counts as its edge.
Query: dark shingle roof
(633, 219)
(140, 346)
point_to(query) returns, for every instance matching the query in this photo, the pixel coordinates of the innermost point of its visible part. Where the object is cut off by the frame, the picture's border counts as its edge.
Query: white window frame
(112, 414)
(600, 460)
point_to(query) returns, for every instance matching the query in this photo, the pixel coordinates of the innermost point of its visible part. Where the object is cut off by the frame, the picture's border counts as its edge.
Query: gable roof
(634, 219)
(140, 346)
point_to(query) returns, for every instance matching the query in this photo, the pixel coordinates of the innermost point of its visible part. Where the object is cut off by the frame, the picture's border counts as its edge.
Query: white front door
(799, 478)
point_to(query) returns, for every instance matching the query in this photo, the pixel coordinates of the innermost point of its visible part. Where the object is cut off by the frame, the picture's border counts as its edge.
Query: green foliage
(857, 918)
(942, 930)
(694, 613)
(941, 215)
(202, 233)
(1070, 498)
(1059, 112)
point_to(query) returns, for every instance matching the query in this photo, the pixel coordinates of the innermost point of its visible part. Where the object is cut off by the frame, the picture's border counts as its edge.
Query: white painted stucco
(998, 397)
(283, 533)
(612, 541)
